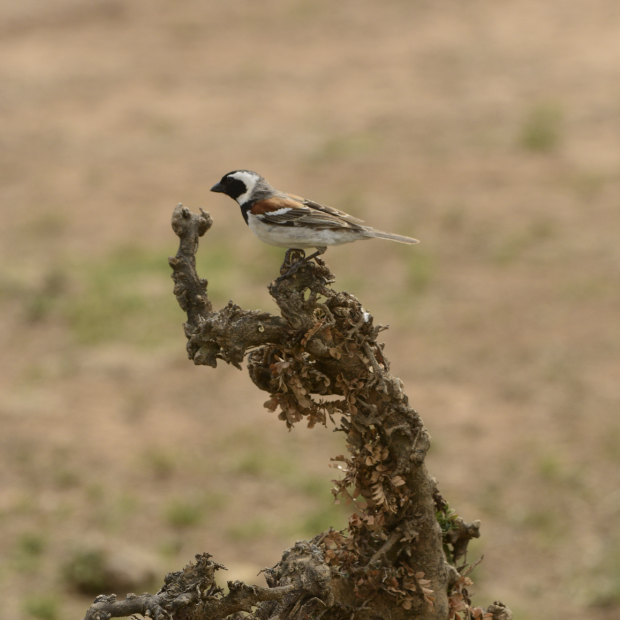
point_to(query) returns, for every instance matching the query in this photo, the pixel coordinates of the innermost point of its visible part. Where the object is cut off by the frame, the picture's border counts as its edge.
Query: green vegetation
(603, 587)
(181, 513)
(85, 571)
(65, 478)
(29, 550)
(42, 607)
(112, 513)
(419, 272)
(542, 128)
(260, 462)
(315, 522)
(314, 486)
(513, 245)
(490, 499)
(352, 146)
(126, 296)
(171, 547)
(250, 529)
(547, 523)
(611, 443)
(161, 463)
(549, 467)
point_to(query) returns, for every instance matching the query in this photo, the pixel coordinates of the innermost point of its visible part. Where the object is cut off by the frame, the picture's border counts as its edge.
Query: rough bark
(390, 562)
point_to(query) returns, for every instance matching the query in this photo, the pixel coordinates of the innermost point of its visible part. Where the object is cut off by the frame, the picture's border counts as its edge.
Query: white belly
(300, 238)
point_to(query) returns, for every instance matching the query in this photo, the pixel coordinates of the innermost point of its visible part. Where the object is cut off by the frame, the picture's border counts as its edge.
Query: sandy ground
(490, 131)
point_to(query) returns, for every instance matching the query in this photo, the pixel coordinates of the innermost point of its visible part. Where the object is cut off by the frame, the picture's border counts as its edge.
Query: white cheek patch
(249, 180)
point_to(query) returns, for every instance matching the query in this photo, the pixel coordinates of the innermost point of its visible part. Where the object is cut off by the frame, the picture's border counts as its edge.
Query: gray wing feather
(331, 211)
(310, 217)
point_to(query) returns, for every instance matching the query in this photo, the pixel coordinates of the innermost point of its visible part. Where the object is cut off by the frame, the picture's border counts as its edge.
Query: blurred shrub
(316, 522)
(42, 301)
(85, 571)
(542, 128)
(251, 530)
(420, 272)
(160, 463)
(101, 570)
(127, 296)
(184, 513)
(41, 606)
(30, 547)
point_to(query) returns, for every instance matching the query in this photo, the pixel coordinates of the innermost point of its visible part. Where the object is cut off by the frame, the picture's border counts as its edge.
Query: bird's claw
(294, 267)
(291, 258)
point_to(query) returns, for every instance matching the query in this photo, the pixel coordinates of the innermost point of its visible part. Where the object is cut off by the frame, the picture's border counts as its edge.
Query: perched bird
(288, 221)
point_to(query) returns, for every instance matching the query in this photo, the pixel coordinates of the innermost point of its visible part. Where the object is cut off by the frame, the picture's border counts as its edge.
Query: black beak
(218, 187)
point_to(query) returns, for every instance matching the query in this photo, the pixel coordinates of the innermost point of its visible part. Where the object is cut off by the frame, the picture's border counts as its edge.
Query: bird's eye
(228, 181)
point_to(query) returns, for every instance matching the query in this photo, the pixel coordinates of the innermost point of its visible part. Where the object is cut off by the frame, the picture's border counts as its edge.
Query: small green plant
(515, 244)
(110, 299)
(420, 272)
(352, 146)
(184, 513)
(85, 571)
(314, 486)
(161, 463)
(32, 544)
(41, 606)
(549, 468)
(321, 520)
(446, 517)
(66, 478)
(263, 463)
(250, 530)
(604, 586)
(170, 547)
(44, 299)
(547, 523)
(490, 498)
(542, 128)
(29, 549)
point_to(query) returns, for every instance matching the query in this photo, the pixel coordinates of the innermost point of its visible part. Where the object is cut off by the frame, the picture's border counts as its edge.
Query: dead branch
(460, 535)
(390, 562)
(190, 593)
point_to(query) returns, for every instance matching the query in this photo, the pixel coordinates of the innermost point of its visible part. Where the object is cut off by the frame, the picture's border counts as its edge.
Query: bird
(290, 221)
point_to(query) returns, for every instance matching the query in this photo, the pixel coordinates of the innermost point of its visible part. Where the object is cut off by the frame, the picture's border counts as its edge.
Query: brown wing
(288, 210)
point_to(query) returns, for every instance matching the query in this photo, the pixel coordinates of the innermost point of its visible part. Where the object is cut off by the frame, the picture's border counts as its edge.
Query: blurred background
(488, 130)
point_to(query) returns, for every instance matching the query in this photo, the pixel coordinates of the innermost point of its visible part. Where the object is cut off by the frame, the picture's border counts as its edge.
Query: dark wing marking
(326, 209)
(335, 212)
(293, 211)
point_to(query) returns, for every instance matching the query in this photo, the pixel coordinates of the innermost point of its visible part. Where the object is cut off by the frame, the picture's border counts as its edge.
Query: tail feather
(392, 237)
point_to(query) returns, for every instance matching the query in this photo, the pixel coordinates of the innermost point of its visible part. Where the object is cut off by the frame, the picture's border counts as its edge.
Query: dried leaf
(335, 352)
(272, 403)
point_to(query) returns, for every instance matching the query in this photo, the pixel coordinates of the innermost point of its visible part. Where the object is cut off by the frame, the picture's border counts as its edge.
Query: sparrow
(289, 221)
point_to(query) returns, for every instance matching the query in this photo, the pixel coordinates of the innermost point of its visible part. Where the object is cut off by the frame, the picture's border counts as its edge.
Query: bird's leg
(296, 265)
(318, 252)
